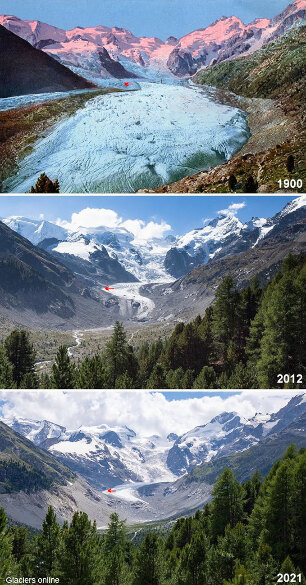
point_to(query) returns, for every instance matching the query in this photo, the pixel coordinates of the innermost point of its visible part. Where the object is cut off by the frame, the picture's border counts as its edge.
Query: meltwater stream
(123, 142)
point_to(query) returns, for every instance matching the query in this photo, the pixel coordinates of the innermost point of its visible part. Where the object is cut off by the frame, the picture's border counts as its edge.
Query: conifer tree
(225, 314)
(45, 185)
(7, 562)
(117, 355)
(207, 379)
(148, 567)
(157, 379)
(6, 370)
(47, 547)
(79, 559)
(91, 373)
(241, 577)
(21, 355)
(278, 511)
(63, 371)
(299, 512)
(290, 163)
(114, 551)
(174, 378)
(227, 506)
(241, 378)
(232, 182)
(187, 380)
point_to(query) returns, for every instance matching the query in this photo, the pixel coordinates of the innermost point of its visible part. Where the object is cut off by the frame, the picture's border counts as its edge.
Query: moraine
(124, 142)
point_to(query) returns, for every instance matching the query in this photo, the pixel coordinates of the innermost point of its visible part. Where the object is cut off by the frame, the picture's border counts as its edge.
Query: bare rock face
(114, 68)
(25, 70)
(181, 63)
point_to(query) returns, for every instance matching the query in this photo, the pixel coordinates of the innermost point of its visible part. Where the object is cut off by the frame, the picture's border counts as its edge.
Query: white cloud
(91, 218)
(146, 413)
(143, 231)
(232, 209)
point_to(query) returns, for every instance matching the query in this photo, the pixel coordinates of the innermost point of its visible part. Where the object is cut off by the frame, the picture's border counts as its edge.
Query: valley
(152, 477)
(53, 278)
(115, 145)
(206, 126)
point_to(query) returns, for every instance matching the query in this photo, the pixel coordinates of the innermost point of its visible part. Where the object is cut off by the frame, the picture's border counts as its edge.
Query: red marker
(108, 288)
(127, 84)
(111, 491)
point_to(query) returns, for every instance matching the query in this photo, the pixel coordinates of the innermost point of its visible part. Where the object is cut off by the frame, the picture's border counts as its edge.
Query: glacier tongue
(125, 142)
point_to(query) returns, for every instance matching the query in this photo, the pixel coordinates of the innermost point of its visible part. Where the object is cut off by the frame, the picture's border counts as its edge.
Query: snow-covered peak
(293, 205)
(81, 48)
(35, 230)
(37, 431)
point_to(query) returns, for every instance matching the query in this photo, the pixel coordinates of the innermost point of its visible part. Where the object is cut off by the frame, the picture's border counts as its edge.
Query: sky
(146, 413)
(160, 18)
(155, 216)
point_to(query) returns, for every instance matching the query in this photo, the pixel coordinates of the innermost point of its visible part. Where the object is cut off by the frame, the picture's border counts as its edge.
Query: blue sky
(182, 213)
(160, 18)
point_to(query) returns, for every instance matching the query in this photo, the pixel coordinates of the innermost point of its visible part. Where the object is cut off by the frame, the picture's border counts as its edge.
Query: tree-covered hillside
(25, 467)
(275, 69)
(247, 535)
(250, 338)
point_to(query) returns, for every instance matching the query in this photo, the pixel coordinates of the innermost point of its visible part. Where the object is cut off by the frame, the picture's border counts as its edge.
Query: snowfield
(128, 141)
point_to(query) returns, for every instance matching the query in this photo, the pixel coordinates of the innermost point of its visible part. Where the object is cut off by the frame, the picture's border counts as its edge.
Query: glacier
(124, 142)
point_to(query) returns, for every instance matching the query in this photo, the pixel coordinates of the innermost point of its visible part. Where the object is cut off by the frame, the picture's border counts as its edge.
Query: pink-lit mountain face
(87, 51)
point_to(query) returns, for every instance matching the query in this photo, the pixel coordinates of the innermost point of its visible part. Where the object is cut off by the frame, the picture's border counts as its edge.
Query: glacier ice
(123, 142)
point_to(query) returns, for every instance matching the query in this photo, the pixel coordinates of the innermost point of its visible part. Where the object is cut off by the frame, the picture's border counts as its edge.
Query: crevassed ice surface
(125, 142)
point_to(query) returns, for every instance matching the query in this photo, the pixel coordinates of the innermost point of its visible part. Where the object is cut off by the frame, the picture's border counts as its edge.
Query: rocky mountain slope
(192, 293)
(38, 290)
(25, 70)
(243, 445)
(123, 258)
(25, 467)
(269, 85)
(267, 73)
(107, 456)
(102, 52)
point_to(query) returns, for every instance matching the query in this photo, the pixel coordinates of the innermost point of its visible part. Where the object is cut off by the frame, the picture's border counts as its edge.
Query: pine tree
(299, 512)
(63, 372)
(278, 511)
(6, 370)
(117, 355)
(241, 577)
(241, 378)
(227, 506)
(148, 567)
(45, 185)
(47, 547)
(250, 185)
(174, 378)
(21, 354)
(207, 379)
(282, 337)
(7, 562)
(232, 182)
(92, 374)
(157, 379)
(187, 380)
(79, 560)
(114, 551)
(290, 163)
(224, 318)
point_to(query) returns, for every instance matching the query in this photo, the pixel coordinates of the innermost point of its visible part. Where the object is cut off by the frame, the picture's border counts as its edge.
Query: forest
(246, 339)
(247, 534)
